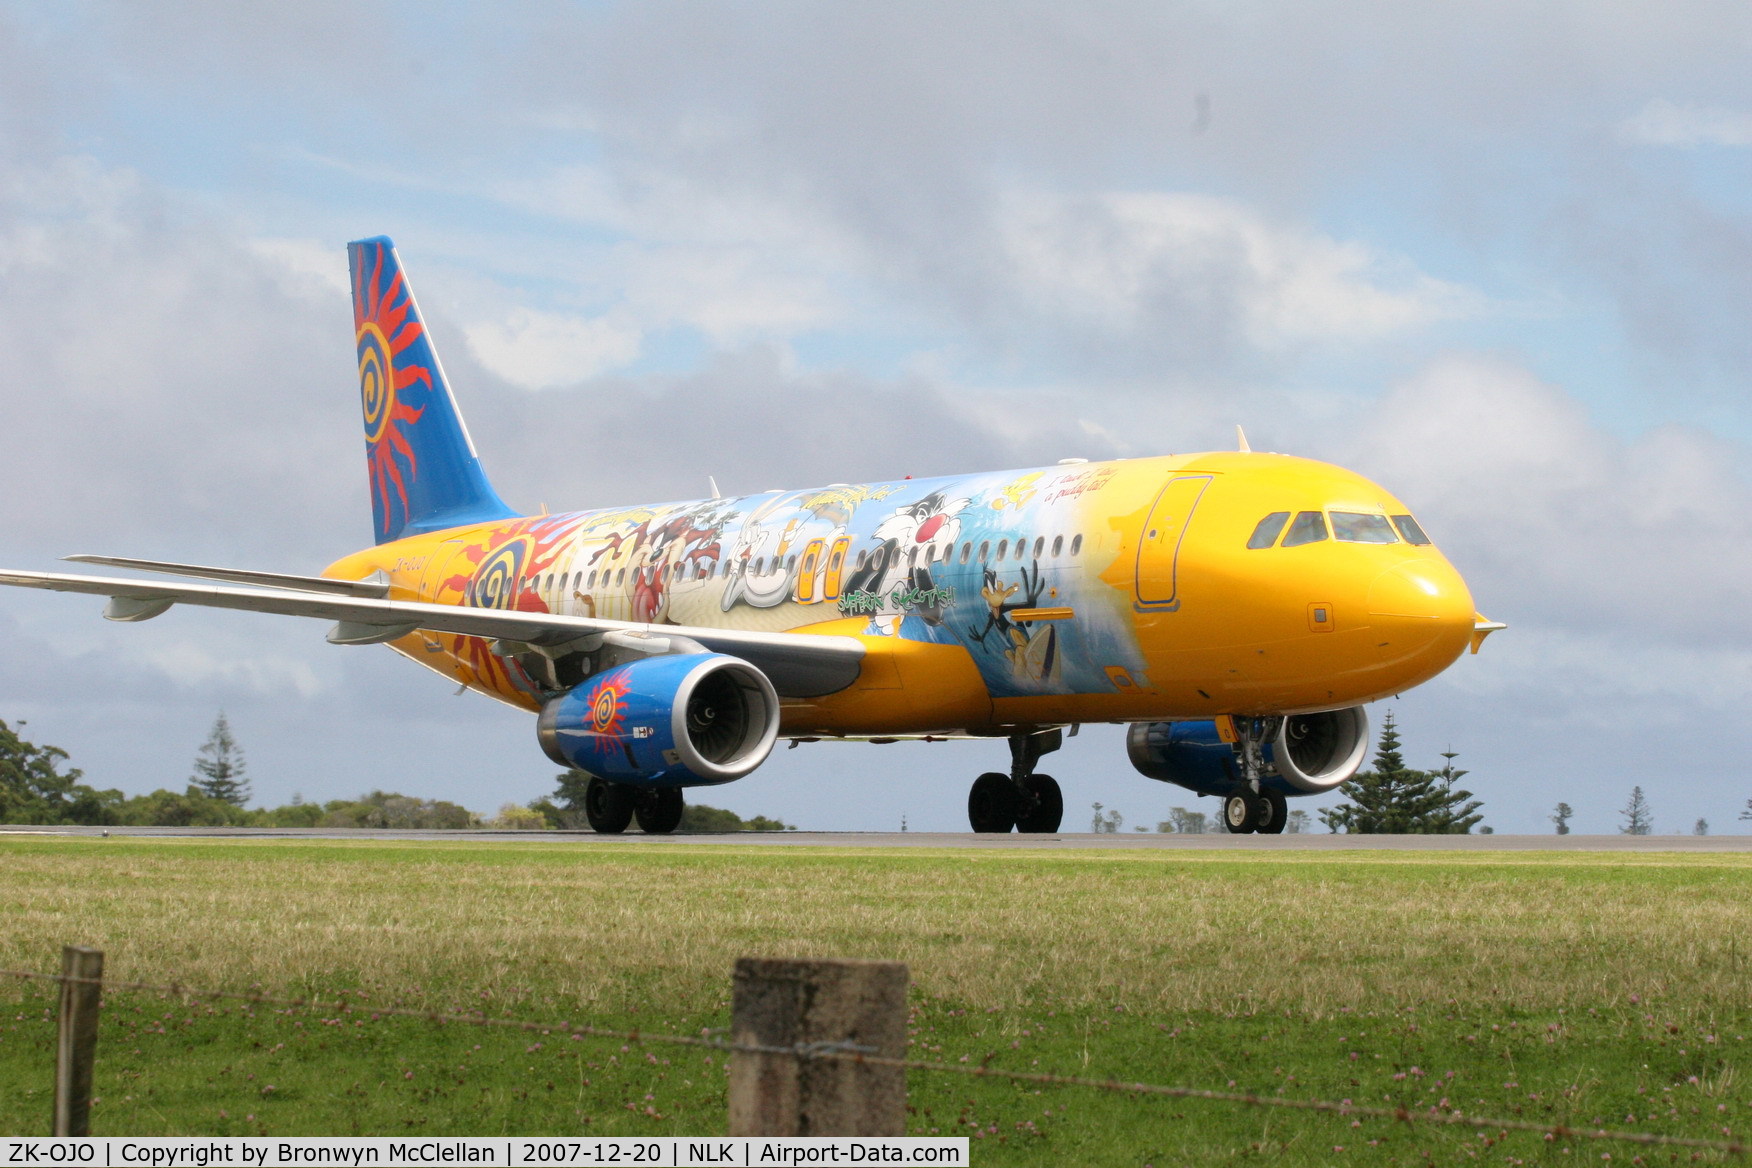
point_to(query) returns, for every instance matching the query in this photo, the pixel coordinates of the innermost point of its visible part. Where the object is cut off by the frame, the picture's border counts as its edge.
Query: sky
(1496, 256)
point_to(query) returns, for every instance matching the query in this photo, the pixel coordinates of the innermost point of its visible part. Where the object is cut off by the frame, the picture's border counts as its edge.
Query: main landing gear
(1020, 800)
(1252, 807)
(611, 807)
(1245, 812)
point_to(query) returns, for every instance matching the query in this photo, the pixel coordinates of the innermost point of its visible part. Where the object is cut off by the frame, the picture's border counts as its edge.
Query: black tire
(991, 805)
(659, 811)
(1274, 810)
(1049, 805)
(1241, 813)
(608, 806)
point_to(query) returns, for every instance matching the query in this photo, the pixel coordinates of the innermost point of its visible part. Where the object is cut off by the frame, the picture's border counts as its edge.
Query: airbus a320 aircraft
(1236, 610)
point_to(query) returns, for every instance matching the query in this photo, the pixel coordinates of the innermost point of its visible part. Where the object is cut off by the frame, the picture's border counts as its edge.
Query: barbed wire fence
(846, 1065)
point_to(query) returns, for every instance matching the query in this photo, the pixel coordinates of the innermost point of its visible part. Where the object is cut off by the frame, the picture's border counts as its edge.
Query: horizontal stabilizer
(798, 664)
(376, 589)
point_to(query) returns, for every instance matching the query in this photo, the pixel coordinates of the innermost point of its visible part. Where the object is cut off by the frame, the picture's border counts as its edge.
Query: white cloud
(1666, 123)
(538, 350)
(732, 295)
(311, 266)
(1123, 262)
(1557, 521)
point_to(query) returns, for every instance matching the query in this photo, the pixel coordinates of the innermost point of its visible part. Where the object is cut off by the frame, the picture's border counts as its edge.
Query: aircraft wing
(374, 588)
(798, 664)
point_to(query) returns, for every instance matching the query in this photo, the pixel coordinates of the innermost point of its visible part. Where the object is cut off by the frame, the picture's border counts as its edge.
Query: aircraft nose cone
(1425, 590)
(1424, 605)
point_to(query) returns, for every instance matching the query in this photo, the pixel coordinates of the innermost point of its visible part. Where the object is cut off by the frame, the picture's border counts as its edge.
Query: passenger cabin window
(1268, 530)
(1409, 529)
(1359, 527)
(1309, 527)
(985, 551)
(1058, 545)
(966, 551)
(1002, 544)
(1039, 546)
(1076, 544)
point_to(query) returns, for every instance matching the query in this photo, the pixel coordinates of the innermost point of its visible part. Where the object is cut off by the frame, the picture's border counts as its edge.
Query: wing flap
(798, 664)
(369, 588)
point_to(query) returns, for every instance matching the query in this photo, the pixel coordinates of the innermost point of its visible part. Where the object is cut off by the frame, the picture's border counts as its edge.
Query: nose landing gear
(1022, 800)
(1252, 807)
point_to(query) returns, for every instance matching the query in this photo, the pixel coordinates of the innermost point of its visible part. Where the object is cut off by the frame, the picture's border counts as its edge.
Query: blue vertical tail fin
(424, 473)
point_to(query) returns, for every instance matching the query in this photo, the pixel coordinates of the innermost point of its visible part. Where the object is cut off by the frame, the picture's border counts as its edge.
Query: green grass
(1554, 987)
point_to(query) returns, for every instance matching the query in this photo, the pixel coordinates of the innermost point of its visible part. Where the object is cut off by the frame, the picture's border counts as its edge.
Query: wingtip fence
(817, 1049)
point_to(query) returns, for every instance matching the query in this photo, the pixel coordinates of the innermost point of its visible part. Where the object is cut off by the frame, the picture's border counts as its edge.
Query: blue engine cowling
(1310, 753)
(676, 721)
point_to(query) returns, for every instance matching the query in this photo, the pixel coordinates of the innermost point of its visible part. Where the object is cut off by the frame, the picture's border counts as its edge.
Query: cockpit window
(1267, 532)
(1410, 530)
(1358, 527)
(1309, 527)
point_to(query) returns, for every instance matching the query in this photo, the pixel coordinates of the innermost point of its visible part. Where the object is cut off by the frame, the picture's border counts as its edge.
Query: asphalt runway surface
(1065, 841)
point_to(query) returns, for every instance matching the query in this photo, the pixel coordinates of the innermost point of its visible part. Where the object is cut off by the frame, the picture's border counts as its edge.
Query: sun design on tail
(384, 323)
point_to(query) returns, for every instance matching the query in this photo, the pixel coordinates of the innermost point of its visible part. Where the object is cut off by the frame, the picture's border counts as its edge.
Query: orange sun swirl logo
(608, 715)
(376, 385)
(392, 358)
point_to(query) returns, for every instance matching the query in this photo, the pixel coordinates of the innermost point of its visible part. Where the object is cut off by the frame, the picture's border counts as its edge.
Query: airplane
(1235, 610)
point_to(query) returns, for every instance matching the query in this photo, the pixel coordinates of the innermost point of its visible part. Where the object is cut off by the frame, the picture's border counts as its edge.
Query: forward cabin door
(1159, 541)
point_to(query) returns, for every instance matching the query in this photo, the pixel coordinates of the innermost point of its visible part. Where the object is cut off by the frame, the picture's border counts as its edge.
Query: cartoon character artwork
(654, 549)
(1015, 494)
(759, 574)
(674, 546)
(895, 578)
(1030, 647)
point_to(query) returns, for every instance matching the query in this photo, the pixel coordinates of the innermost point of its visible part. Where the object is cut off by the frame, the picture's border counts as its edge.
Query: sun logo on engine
(608, 710)
(385, 327)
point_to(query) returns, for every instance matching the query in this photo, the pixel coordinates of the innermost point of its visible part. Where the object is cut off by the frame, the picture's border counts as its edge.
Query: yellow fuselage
(1121, 591)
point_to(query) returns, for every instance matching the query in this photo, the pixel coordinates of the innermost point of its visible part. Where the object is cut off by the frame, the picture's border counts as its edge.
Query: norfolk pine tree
(1390, 798)
(1638, 818)
(219, 766)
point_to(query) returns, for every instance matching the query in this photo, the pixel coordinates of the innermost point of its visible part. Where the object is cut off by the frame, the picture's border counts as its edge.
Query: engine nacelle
(674, 721)
(1310, 753)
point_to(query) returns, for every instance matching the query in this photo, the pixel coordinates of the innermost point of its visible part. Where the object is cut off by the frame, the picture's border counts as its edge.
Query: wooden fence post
(76, 1045)
(824, 1004)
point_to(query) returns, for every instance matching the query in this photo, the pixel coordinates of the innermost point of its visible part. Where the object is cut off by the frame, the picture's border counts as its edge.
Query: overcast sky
(1496, 255)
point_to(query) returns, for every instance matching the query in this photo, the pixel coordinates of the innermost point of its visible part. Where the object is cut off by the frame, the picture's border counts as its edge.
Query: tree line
(1390, 797)
(38, 788)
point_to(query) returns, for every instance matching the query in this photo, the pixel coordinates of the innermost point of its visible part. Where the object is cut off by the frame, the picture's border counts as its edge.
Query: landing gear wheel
(1274, 810)
(608, 806)
(659, 811)
(1241, 813)
(991, 805)
(1049, 805)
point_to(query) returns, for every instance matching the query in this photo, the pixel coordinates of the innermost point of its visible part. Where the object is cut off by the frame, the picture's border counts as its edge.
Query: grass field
(1586, 989)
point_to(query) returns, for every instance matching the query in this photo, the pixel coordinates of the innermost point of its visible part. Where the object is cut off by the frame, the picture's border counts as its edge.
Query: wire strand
(849, 1052)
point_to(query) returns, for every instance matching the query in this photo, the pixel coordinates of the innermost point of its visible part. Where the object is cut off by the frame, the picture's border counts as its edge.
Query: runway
(1065, 841)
